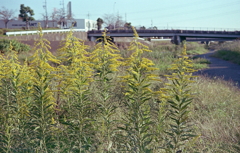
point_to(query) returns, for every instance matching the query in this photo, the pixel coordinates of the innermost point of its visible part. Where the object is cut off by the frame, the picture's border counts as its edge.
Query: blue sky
(183, 14)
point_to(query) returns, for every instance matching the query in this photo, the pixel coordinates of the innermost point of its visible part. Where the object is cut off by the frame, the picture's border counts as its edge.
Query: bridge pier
(207, 43)
(177, 40)
(112, 39)
(182, 39)
(92, 38)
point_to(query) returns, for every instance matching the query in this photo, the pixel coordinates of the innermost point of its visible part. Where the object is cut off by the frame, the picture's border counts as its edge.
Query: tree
(119, 21)
(112, 20)
(55, 16)
(155, 28)
(143, 28)
(26, 14)
(128, 25)
(6, 15)
(61, 17)
(99, 23)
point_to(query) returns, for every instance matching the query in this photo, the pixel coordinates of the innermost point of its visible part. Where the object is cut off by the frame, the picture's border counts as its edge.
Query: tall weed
(178, 99)
(96, 101)
(106, 60)
(138, 78)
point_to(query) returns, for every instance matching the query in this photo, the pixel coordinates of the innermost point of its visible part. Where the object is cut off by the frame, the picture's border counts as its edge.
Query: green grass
(162, 59)
(194, 48)
(228, 55)
(200, 63)
(229, 51)
(17, 46)
(163, 55)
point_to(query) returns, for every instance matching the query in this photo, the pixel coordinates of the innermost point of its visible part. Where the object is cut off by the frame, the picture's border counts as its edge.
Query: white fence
(44, 31)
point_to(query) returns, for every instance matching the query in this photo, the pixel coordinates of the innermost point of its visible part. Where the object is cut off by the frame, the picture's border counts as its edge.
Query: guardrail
(43, 31)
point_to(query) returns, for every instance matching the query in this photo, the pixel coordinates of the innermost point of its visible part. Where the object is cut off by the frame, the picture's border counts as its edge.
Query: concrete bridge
(177, 36)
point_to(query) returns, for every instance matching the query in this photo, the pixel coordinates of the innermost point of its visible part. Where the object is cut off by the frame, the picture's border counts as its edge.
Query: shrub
(17, 46)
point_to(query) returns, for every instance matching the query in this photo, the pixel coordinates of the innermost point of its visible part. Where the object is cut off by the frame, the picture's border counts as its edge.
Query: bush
(17, 46)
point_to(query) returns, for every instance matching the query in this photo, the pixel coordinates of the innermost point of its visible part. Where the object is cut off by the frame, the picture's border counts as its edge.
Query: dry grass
(215, 113)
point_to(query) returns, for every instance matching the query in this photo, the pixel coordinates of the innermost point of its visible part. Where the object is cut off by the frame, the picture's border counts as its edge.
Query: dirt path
(220, 68)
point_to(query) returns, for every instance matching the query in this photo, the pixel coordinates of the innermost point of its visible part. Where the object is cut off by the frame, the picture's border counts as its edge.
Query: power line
(183, 5)
(46, 14)
(88, 15)
(205, 17)
(125, 17)
(189, 11)
(62, 3)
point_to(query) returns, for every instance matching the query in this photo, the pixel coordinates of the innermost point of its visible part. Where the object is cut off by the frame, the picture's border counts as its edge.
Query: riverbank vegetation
(16, 45)
(229, 51)
(143, 99)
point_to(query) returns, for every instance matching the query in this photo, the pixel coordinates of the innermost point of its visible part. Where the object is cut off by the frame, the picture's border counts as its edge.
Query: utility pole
(63, 14)
(151, 24)
(88, 21)
(125, 18)
(46, 14)
(114, 7)
(114, 15)
(62, 3)
(117, 23)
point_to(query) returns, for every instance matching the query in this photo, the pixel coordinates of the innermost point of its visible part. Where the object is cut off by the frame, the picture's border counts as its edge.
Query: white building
(84, 24)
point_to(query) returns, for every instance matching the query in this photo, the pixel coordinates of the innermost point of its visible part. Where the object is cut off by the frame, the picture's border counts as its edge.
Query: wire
(189, 11)
(166, 8)
(206, 17)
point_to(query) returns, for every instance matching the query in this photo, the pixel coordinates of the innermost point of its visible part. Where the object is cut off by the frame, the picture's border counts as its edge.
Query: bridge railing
(168, 31)
(199, 28)
(44, 31)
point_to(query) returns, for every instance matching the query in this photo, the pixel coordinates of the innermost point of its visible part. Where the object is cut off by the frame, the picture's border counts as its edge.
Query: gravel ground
(220, 68)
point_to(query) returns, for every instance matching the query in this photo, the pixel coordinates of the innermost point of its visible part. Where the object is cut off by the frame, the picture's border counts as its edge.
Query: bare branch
(113, 21)
(6, 15)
